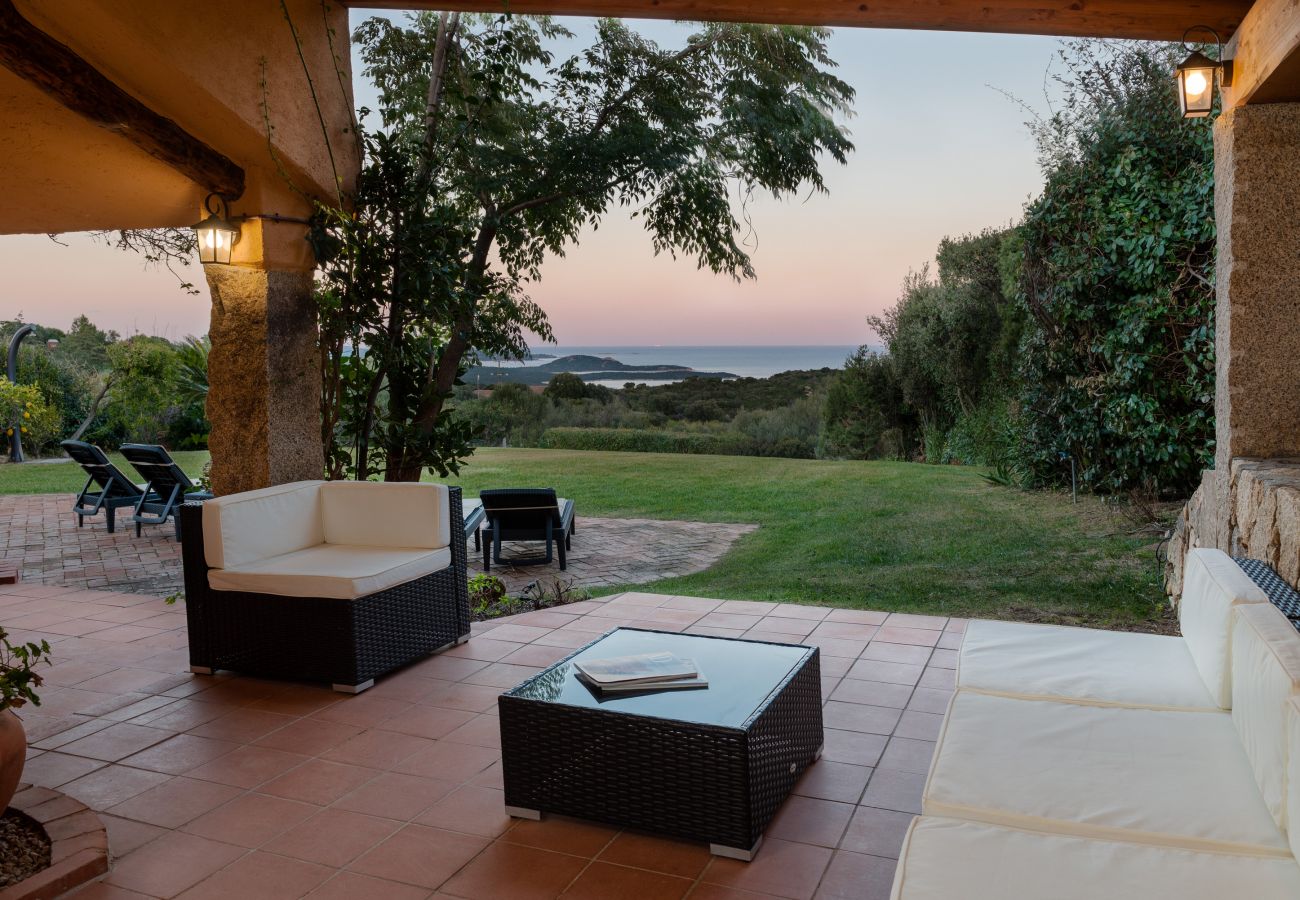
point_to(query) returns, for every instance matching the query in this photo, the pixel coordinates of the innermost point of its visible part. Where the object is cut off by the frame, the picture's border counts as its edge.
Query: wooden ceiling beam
(1265, 54)
(1161, 20)
(34, 56)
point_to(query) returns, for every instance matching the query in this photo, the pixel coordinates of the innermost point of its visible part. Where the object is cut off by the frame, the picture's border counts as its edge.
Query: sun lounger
(107, 489)
(527, 514)
(167, 487)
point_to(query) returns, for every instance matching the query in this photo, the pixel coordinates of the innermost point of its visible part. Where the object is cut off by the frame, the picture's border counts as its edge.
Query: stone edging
(78, 844)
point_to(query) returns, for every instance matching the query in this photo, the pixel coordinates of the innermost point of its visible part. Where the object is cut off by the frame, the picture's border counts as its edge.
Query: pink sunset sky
(941, 150)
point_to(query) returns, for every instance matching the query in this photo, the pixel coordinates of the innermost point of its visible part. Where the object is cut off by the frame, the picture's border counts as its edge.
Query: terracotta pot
(13, 754)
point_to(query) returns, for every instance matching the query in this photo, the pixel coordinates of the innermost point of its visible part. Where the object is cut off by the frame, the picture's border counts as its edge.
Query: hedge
(644, 440)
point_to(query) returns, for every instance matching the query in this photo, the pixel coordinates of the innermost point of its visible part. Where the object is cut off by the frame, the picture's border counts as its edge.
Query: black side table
(710, 765)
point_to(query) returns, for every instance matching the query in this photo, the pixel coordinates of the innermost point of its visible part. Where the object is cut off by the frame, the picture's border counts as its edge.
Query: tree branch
(447, 25)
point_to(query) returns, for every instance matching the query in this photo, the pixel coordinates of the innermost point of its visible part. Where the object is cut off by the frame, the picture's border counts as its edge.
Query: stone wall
(1256, 514)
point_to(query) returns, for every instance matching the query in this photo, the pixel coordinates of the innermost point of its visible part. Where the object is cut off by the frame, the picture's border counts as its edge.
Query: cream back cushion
(1265, 675)
(1293, 775)
(242, 528)
(376, 514)
(1212, 585)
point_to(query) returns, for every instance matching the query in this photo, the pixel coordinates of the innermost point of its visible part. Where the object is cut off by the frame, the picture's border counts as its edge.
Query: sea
(745, 362)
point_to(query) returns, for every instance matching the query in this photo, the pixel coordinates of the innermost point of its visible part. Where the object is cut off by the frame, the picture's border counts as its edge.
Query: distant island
(588, 368)
(529, 355)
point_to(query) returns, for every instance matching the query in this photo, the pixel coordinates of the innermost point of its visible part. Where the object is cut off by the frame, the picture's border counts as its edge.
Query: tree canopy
(1086, 331)
(494, 153)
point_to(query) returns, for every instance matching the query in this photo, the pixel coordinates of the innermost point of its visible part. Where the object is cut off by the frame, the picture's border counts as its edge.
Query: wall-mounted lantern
(1195, 76)
(217, 233)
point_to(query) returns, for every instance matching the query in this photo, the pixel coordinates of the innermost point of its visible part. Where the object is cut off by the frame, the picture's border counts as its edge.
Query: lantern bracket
(1223, 65)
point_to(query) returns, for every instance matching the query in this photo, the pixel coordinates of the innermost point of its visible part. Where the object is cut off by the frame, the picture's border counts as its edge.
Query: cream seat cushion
(1173, 778)
(1086, 665)
(945, 859)
(1212, 586)
(1293, 774)
(337, 571)
(1265, 675)
(379, 514)
(242, 528)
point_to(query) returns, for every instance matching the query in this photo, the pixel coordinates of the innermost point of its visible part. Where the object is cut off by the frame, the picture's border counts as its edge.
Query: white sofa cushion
(1293, 775)
(1265, 674)
(1212, 585)
(332, 570)
(1083, 665)
(376, 514)
(946, 859)
(1153, 776)
(242, 528)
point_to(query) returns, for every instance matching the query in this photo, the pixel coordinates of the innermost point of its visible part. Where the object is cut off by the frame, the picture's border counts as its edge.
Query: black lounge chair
(167, 487)
(526, 514)
(114, 490)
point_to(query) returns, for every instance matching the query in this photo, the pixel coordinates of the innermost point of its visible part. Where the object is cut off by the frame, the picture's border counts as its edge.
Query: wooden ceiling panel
(1138, 19)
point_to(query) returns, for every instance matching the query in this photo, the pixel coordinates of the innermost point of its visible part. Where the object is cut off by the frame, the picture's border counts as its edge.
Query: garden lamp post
(16, 439)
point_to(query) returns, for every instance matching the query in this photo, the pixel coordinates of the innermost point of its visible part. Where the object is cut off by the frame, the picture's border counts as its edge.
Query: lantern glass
(215, 234)
(1196, 91)
(215, 241)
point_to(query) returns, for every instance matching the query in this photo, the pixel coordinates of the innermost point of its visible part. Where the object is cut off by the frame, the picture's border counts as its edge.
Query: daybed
(1077, 764)
(336, 581)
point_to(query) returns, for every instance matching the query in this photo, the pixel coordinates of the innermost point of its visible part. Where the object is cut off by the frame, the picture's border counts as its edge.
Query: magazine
(642, 668)
(629, 687)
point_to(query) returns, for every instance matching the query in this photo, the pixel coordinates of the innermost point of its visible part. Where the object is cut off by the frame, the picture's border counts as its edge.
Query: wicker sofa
(325, 581)
(1078, 764)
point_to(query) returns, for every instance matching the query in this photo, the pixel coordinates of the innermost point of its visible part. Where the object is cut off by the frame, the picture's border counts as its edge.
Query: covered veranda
(127, 116)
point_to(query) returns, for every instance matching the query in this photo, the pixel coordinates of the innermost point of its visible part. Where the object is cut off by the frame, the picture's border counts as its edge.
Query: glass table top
(741, 674)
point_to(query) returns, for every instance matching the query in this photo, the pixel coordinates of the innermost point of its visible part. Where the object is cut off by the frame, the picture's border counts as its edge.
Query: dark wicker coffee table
(710, 765)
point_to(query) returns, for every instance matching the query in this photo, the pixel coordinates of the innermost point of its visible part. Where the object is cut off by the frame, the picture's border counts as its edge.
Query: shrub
(18, 678)
(65, 385)
(643, 440)
(568, 386)
(144, 402)
(865, 416)
(22, 406)
(985, 436)
(484, 592)
(1118, 277)
(486, 587)
(792, 431)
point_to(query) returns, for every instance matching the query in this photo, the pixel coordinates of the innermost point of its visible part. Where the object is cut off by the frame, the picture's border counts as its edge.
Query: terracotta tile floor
(224, 786)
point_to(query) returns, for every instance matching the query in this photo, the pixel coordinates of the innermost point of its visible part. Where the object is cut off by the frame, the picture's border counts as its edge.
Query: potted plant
(18, 683)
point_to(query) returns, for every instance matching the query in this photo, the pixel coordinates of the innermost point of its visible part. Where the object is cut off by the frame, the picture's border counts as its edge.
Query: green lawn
(67, 478)
(877, 535)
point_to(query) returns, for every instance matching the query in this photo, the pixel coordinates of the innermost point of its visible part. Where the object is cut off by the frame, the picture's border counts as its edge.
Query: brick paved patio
(42, 535)
(228, 786)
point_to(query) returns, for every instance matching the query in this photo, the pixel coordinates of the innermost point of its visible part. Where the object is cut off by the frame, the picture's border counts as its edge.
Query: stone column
(263, 373)
(1257, 315)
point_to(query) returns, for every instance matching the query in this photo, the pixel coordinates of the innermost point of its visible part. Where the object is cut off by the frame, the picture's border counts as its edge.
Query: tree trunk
(447, 25)
(94, 409)
(444, 368)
